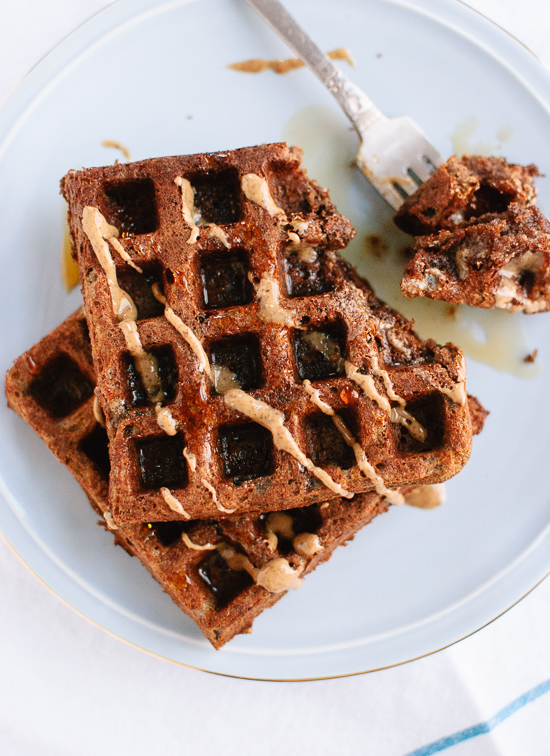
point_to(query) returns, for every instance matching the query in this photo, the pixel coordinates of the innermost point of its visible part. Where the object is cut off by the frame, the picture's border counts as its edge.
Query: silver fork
(393, 153)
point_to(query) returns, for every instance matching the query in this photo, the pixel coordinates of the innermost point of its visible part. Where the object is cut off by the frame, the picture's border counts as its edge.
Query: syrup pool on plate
(492, 337)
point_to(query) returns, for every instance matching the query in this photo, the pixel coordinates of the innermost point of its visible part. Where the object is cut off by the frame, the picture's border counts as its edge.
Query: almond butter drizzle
(191, 459)
(209, 487)
(257, 65)
(458, 393)
(193, 218)
(99, 232)
(272, 541)
(183, 330)
(218, 233)
(377, 370)
(368, 386)
(165, 420)
(256, 189)
(188, 207)
(270, 311)
(117, 246)
(395, 414)
(307, 544)
(195, 546)
(306, 253)
(108, 517)
(273, 419)
(118, 146)
(281, 523)
(399, 415)
(146, 363)
(98, 412)
(275, 576)
(173, 503)
(426, 497)
(223, 379)
(394, 497)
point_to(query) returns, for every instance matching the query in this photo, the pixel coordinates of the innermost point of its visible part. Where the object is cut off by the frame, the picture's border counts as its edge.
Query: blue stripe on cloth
(484, 727)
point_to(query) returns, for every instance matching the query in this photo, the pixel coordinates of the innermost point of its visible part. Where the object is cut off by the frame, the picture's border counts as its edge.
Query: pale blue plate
(155, 77)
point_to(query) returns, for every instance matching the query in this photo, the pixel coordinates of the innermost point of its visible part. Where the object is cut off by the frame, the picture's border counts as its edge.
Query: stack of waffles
(233, 398)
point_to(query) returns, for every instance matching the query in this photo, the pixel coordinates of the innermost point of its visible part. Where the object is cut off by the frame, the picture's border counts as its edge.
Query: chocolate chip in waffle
(222, 573)
(242, 365)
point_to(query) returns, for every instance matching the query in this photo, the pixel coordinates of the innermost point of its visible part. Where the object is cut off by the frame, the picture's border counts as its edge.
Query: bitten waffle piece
(242, 365)
(498, 260)
(464, 188)
(221, 573)
(478, 414)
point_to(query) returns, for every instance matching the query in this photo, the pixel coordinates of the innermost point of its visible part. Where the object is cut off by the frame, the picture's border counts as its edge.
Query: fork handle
(359, 108)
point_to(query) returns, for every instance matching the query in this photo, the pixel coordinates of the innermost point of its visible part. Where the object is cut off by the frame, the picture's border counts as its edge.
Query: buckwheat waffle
(254, 559)
(464, 188)
(226, 331)
(498, 260)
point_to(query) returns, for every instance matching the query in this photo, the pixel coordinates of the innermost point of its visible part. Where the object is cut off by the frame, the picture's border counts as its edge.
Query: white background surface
(66, 687)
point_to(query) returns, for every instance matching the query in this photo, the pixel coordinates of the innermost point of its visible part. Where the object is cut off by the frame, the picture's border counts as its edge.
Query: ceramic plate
(155, 77)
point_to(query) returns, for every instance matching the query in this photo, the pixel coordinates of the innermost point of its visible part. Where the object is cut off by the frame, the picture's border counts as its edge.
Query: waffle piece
(226, 331)
(256, 557)
(464, 188)
(498, 260)
(478, 414)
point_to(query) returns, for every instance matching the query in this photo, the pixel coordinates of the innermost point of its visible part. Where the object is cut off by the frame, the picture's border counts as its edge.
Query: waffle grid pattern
(221, 600)
(221, 287)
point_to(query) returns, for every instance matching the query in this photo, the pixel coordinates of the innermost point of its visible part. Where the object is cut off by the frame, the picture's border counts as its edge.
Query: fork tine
(415, 177)
(396, 157)
(419, 169)
(394, 154)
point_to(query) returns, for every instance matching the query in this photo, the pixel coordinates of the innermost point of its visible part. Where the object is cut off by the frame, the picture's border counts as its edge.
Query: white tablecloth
(67, 687)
